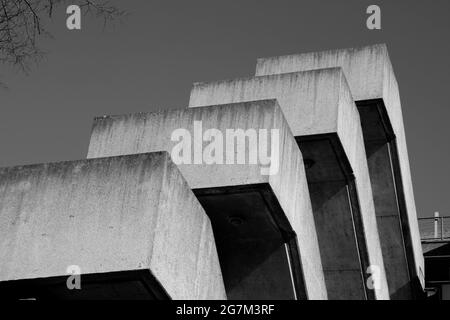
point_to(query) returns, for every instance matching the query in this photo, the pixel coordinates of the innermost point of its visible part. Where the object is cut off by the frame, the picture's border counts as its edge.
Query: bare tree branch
(22, 23)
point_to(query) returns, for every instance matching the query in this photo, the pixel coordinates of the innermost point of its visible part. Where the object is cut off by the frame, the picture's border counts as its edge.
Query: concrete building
(325, 122)
(374, 88)
(263, 224)
(130, 225)
(299, 176)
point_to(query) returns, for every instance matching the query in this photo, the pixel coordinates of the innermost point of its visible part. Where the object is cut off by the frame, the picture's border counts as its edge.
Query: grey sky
(150, 61)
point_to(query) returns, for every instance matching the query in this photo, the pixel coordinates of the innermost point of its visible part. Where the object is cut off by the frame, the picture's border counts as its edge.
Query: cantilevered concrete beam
(130, 225)
(375, 90)
(263, 224)
(322, 115)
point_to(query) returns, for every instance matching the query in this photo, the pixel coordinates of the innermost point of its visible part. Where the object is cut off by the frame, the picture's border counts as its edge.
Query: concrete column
(129, 224)
(375, 90)
(263, 223)
(324, 119)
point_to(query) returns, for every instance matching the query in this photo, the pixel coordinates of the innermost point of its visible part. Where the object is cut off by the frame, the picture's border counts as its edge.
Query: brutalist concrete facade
(374, 87)
(324, 119)
(131, 218)
(253, 256)
(336, 212)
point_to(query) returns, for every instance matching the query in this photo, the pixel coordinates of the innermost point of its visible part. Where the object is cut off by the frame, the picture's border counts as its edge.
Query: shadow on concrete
(254, 241)
(126, 285)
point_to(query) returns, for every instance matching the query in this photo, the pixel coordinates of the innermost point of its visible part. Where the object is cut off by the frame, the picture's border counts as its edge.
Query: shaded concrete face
(263, 224)
(124, 285)
(251, 240)
(374, 88)
(389, 220)
(109, 215)
(328, 181)
(318, 105)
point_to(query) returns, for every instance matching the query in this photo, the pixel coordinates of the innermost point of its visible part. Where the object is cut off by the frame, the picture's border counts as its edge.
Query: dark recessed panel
(250, 242)
(127, 285)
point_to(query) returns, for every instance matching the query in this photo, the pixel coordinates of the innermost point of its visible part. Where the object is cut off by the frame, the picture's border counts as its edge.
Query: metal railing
(435, 228)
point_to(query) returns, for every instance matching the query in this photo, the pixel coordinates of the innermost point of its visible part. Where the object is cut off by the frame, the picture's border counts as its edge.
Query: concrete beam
(130, 224)
(263, 224)
(323, 118)
(374, 87)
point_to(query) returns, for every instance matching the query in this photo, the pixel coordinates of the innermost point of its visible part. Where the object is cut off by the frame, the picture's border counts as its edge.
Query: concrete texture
(322, 116)
(388, 219)
(374, 88)
(119, 214)
(269, 213)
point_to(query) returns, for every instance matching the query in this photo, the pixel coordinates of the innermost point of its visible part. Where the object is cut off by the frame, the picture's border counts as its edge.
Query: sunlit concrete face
(324, 119)
(375, 90)
(263, 224)
(130, 224)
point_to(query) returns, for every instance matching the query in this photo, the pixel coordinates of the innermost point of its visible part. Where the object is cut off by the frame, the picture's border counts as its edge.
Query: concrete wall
(105, 215)
(314, 102)
(146, 132)
(370, 75)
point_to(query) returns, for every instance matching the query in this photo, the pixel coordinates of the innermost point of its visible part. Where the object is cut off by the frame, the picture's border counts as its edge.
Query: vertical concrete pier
(263, 223)
(129, 224)
(324, 119)
(375, 90)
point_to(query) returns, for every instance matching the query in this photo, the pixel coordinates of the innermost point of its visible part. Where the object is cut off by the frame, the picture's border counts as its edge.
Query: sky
(149, 60)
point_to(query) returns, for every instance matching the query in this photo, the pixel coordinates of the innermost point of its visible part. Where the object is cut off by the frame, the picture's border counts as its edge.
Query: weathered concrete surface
(317, 103)
(242, 194)
(374, 88)
(388, 219)
(114, 214)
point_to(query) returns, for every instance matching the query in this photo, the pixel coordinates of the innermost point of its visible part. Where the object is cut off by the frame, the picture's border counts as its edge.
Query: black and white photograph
(226, 157)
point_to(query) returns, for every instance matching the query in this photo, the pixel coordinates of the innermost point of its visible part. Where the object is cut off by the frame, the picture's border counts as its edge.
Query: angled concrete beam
(263, 224)
(322, 115)
(130, 225)
(374, 88)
